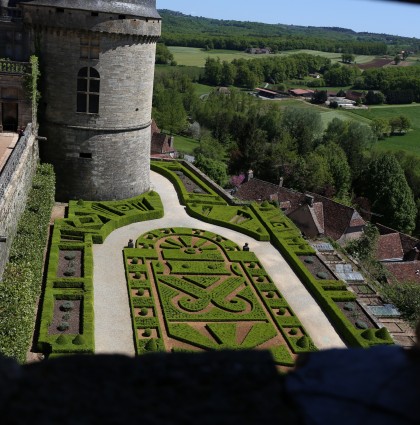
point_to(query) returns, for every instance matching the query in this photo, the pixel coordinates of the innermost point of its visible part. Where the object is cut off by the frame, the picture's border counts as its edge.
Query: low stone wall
(15, 183)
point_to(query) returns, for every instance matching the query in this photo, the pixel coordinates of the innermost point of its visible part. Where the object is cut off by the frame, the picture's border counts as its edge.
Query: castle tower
(97, 62)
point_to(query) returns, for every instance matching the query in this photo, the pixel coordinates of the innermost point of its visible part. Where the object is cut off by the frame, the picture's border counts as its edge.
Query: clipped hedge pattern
(223, 304)
(287, 239)
(22, 279)
(87, 223)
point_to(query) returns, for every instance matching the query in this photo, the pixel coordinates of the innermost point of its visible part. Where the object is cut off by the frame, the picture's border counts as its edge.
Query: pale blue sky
(359, 15)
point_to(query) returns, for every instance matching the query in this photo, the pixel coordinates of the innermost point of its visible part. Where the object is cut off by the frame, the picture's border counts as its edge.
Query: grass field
(185, 144)
(190, 56)
(409, 142)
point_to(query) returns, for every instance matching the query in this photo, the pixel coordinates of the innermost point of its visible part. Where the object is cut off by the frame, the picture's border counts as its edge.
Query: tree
(213, 71)
(304, 126)
(213, 168)
(389, 193)
(397, 59)
(320, 97)
(380, 127)
(347, 58)
(163, 55)
(169, 112)
(401, 124)
(374, 98)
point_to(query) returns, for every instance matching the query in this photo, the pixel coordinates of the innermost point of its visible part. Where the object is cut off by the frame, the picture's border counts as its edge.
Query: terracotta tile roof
(161, 143)
(335, 218)
(405, 271)
(407, 242)
(389, 247)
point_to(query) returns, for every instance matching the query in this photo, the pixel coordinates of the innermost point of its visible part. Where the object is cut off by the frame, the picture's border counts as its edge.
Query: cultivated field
(190, 56)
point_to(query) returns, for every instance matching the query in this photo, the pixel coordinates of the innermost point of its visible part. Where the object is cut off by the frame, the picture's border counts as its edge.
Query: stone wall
(13, 201)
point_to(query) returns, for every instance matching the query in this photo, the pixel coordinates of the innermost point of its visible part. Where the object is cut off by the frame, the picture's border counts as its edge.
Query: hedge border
(87, 223)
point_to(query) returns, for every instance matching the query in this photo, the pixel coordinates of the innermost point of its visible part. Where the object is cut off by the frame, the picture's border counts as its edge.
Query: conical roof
(140, 8)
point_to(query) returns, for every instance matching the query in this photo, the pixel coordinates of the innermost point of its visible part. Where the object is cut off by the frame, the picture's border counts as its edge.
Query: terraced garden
(193, 290)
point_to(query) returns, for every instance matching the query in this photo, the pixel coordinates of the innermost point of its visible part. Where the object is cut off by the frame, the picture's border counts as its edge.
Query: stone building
(97, 65)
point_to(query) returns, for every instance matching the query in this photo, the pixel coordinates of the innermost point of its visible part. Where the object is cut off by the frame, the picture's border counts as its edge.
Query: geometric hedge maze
(193, 290)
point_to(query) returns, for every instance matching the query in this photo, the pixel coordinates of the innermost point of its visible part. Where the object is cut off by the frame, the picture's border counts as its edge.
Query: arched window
(88, 84)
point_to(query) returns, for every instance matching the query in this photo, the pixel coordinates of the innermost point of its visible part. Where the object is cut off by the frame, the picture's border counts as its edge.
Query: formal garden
(195, 290)
(190, 289)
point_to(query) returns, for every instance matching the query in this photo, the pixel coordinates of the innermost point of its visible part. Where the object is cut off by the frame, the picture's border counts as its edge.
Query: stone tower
(97, 62)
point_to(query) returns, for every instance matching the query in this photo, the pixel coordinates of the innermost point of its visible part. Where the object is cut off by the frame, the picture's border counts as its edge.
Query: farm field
(191, 56)
(410, 142)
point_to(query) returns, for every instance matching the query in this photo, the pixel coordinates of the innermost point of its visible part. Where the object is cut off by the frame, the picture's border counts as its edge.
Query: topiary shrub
(293, 331)
(66, 317)
(79, 340)
(303, 342)
(322, 275)
(281, 311)
(260, 279)
(150, 237)
(186, 266)
(67, 306)
(309, 260)
(134, 260)
(61, 340)
(271, 294)
(147, 332)
(369, 334)
(63, 326)
(140, 292)
(137, 275)
(383, 333)
(252, 265)
(143, 311)
(81, 203)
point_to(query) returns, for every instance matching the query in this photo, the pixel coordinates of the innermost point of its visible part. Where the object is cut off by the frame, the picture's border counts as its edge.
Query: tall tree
(391, 197)
(169, 112)
(304, 126)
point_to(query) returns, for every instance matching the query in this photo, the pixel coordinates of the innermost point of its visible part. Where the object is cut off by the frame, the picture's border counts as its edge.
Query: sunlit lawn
(185, 144)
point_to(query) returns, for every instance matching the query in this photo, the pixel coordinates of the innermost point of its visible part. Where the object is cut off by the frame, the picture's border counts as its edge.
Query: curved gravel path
(113, 328)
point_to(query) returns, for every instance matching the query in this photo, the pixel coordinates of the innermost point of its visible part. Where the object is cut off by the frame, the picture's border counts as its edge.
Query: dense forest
(184, 30)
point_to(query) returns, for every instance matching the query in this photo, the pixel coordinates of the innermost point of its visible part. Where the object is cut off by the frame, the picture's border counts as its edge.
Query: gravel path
(113, 328)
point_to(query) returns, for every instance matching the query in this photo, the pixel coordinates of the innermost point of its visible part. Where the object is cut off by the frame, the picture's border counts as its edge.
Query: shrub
(147, 332)
(281, 311)
(140, 292)
(271, 294)
(66, 317)
(63, 326)
(79, 340)
(293, 331)
(67, 306)
(368, 334)
(252, 265)
(70, 256)
(360, 324)
(322, 275)
(135, 260)
(151, 345)
(303, 342)
(71, 271)
(143, 311)
(137, 275)
(61, 340)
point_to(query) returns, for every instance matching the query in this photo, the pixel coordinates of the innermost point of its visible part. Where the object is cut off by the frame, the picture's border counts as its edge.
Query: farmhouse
(301, 93)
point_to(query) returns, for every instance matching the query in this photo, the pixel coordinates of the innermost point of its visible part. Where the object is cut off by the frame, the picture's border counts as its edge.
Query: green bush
(20, 287)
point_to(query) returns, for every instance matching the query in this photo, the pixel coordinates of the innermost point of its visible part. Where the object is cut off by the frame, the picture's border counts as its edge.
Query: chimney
(309, 199)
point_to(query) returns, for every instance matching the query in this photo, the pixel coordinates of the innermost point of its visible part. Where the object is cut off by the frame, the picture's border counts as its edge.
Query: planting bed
(316, 267)
(69, 264)
(201, 292)
(66, 317)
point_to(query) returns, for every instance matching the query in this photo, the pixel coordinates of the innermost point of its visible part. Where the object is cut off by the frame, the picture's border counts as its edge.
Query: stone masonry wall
(13, 203)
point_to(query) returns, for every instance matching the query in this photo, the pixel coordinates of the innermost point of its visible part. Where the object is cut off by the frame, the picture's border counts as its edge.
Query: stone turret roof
(143, 8)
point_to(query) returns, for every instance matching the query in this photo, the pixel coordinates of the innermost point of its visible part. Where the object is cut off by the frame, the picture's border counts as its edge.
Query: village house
(399, 254)
(162, 145)
(313, 214)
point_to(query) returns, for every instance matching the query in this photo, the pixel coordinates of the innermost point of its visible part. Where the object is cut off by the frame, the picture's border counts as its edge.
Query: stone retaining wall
(19, 182)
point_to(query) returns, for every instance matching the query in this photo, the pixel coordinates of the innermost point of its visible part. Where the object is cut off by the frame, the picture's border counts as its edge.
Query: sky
(378, 16)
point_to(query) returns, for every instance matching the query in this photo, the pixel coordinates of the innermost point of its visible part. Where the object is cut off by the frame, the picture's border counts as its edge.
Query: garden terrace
(193, 290)
(67, 323)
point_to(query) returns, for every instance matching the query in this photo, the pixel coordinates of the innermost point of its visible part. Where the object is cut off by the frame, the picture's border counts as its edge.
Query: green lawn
(409, 142)
(191, 56)
(185, 144)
